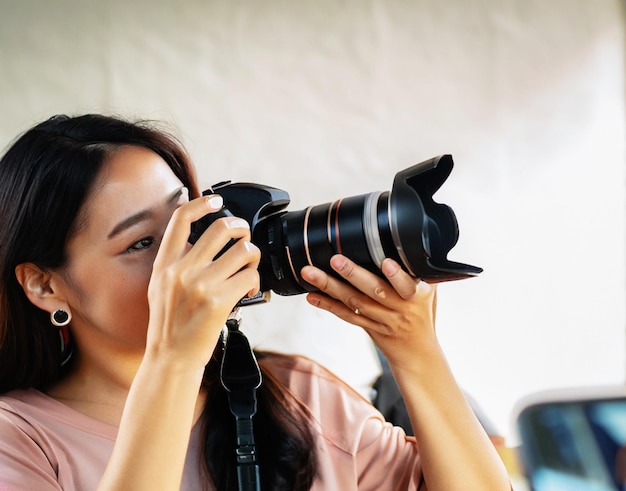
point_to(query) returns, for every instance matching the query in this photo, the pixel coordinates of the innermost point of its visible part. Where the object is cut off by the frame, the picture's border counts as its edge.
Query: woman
(110, 325)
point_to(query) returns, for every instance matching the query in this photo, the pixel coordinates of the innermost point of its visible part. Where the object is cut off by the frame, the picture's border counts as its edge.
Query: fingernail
(309, 273)
(238, 223)
(339, 263)
(184, 195)
(313, 300)
(390, 267)
(249, 245)
(215, 201)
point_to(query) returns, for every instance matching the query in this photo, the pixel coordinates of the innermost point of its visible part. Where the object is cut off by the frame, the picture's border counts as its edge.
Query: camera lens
(404, 224)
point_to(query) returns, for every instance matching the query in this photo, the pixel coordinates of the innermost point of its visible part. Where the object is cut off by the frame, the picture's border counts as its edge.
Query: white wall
(327, 99)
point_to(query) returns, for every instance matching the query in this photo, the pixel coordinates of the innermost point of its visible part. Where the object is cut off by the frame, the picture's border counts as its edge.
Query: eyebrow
(142, 215)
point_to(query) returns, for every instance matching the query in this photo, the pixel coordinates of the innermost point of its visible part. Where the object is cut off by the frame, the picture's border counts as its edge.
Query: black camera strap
(241, 377)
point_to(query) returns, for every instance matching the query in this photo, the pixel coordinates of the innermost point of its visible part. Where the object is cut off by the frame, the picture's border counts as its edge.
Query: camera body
(405, 224)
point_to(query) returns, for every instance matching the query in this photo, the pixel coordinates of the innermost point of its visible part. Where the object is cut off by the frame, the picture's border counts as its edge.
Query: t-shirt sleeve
(24, 465)
(386, 458)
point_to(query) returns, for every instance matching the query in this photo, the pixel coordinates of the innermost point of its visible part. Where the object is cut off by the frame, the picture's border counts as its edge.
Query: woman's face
(105, 279)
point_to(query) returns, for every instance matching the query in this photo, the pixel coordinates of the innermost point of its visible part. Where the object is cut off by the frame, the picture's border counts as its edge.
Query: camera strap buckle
(240, 375)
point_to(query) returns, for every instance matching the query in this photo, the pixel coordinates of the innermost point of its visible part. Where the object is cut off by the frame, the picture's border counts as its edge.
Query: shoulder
(26, 453)
(19, 397)
(18, 407)
(28, 418)
(49, 425)
(49, 445)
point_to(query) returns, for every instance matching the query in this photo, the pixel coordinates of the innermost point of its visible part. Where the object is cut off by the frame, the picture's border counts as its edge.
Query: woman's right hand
(191, 293)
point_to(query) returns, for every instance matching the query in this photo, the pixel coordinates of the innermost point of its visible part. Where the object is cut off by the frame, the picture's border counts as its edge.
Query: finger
(220, 235)
(404, 284)
(399, 284)
(343, 299)
(334, 296)
(243, 254)
(176, 234)
(396, 318)
(338, 308)
(234, 275)
(389, 294)
(244, 283)
(371, 316)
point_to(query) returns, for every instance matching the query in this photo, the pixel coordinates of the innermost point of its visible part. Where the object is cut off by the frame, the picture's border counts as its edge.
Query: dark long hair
(45, 178)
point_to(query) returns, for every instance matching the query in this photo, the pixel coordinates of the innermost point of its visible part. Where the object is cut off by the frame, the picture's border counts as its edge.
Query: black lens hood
(424, 231)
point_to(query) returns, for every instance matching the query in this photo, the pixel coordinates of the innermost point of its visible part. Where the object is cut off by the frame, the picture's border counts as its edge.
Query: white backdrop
(328, 99)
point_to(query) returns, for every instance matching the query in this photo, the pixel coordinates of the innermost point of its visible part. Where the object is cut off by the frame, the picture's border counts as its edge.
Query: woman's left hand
(399, 314)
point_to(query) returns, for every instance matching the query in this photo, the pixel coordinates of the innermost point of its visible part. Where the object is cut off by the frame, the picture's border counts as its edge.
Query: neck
(101, 392)
(97, 390)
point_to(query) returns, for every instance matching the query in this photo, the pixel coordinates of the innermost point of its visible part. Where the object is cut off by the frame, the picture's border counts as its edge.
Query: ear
(37, 286)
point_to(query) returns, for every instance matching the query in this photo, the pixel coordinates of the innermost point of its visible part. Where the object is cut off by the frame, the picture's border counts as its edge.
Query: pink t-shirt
(45, 445)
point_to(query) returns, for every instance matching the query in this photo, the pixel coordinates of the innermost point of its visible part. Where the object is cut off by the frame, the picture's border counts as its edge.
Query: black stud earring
(60, 318)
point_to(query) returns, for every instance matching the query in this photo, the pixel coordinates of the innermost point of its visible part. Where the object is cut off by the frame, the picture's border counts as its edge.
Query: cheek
(113, 297)
(120, 309)
(128, 289)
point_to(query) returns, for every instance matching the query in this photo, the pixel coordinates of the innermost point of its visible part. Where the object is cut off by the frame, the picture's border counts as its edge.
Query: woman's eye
(141, 244)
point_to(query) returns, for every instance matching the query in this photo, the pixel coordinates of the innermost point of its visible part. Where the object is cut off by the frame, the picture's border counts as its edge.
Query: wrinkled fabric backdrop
(329, 99)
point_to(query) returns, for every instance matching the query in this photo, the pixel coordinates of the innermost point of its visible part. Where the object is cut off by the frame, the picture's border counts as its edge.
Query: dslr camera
(404, 224)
